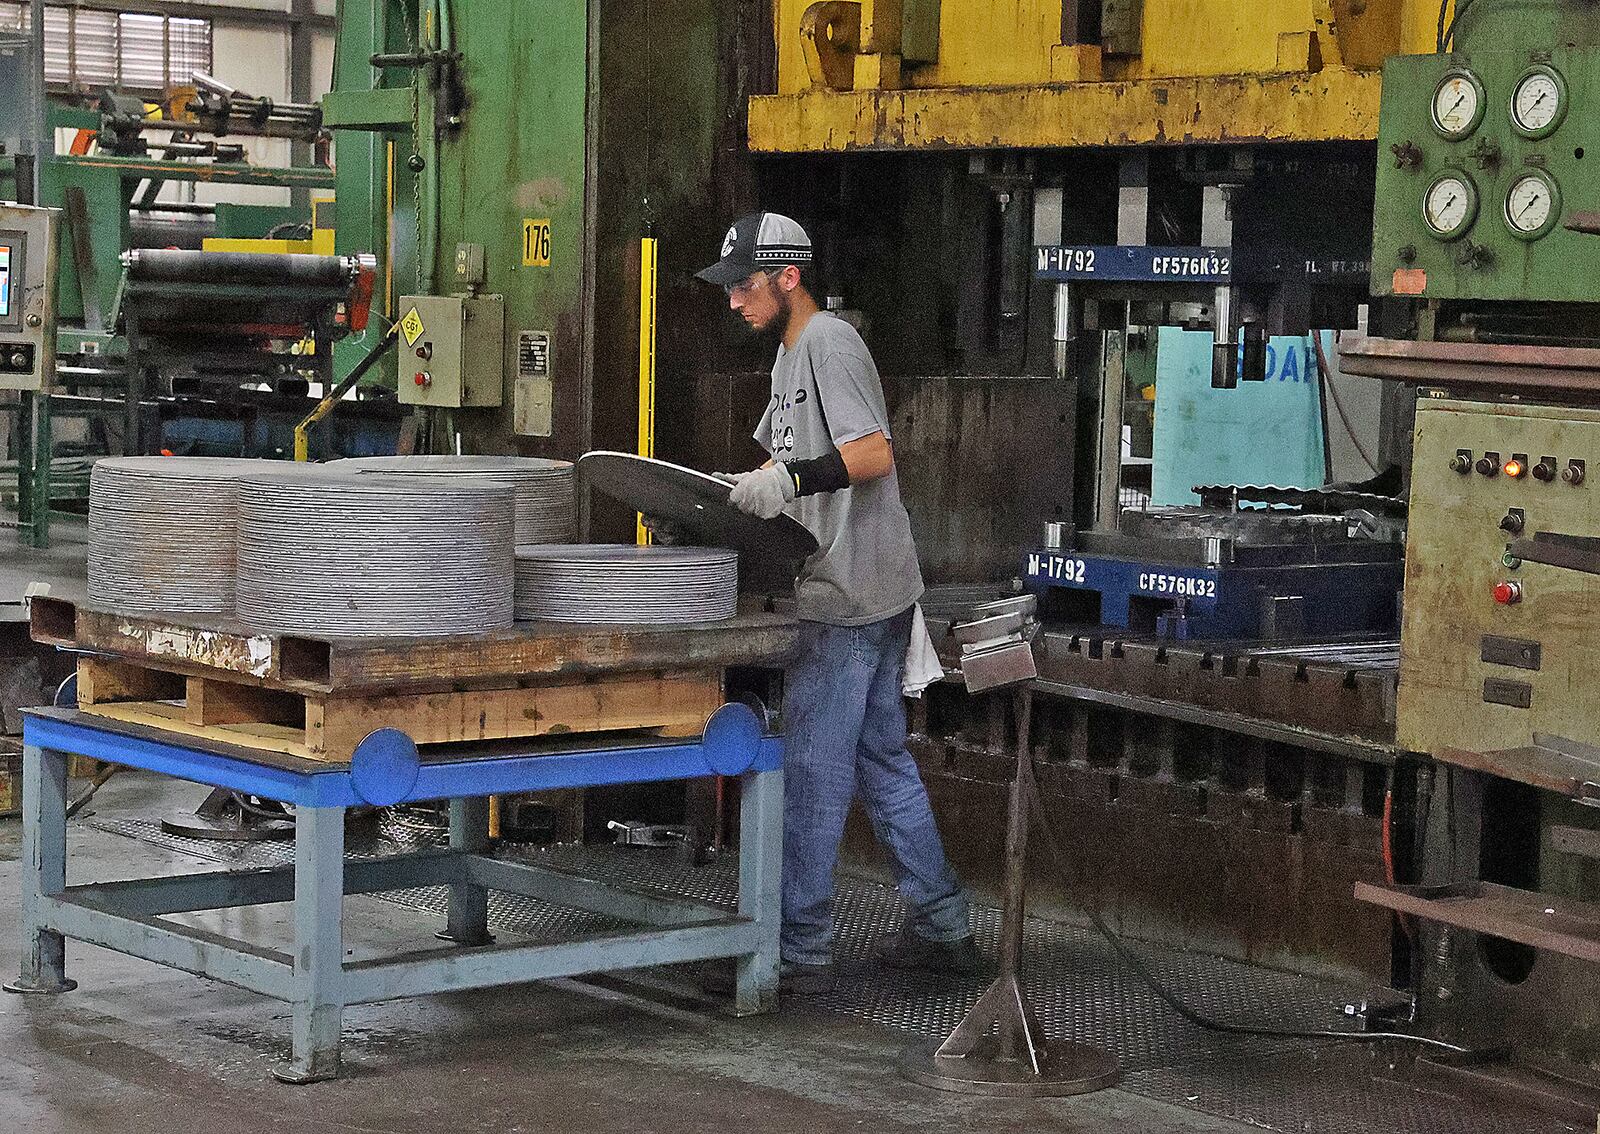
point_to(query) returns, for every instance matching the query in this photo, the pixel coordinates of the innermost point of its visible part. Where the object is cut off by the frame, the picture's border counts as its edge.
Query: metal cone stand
(1000, 1047)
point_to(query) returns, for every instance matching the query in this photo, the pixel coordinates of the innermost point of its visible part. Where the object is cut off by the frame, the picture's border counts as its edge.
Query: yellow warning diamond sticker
(411, 327)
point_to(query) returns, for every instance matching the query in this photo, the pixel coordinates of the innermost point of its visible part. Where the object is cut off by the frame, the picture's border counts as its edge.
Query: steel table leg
(318, 944)
(469, 904)
(44, 869)
(760, 881)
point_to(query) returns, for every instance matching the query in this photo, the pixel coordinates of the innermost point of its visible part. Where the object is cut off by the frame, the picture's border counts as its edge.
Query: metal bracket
(997, 643)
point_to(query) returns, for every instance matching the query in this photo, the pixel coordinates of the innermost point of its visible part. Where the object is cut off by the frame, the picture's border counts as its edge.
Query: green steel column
(519, 158)
(361, 179)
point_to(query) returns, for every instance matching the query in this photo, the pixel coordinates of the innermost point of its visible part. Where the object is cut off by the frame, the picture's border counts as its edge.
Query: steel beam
(760, 871)
(574, 892)
(227, 173)
(182, 947)
(44, 869)
(318, 987)
(1229, 722)
(187, 893)
(429, 971)
(1333, 105)
(467, 918)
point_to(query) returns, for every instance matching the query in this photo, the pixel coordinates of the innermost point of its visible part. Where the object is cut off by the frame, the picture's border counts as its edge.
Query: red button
(1507, 593)
(423, 378)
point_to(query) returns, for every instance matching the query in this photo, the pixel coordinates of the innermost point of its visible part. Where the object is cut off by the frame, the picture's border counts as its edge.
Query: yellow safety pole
(648, 268)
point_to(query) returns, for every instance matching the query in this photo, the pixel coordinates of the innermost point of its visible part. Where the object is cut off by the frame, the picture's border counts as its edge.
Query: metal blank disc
(618, 583)
(162, 531)
(696, 502)
(364, 555)
(545, 502)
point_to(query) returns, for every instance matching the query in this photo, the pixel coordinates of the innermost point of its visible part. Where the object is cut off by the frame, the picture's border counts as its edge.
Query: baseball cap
(756, 242)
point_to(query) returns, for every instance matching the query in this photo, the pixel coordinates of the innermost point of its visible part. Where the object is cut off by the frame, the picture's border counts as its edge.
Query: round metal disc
(192, 826)
(545, 502)
(696, 502)
(1069, 1069)
(162, 531)
(620, 583)
(364, 555)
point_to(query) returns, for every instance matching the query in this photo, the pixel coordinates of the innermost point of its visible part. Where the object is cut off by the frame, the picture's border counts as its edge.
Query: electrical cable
(1388, 854)
(1447, 34)
(1325, 373)
(1199, 1020)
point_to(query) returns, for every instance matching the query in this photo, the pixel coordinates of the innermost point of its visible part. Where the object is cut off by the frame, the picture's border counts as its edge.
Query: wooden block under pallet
(329, 726)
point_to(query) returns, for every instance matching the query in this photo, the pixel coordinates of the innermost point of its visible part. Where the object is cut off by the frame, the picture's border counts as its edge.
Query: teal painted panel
(1259, 433)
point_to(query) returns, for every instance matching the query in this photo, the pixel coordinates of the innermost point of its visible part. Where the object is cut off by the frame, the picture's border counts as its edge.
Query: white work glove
(763, 492)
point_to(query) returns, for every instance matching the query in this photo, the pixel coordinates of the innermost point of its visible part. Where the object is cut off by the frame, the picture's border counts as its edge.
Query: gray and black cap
(758, 242)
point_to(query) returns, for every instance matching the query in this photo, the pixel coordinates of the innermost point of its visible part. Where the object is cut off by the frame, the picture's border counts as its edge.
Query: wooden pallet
(328, 726)
(220, 648)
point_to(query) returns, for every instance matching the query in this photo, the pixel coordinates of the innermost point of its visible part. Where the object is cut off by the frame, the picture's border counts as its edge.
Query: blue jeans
(845, 724)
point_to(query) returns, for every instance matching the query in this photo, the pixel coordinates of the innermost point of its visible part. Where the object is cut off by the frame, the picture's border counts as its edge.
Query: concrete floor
(140, 1049)
(61, 567)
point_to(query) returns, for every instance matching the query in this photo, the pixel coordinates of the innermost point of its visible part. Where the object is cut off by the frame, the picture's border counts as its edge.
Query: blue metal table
(386, 768)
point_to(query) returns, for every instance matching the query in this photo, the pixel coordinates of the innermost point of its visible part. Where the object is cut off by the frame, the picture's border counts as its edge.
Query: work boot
(716, 977)
(806, 980)
(907, 950)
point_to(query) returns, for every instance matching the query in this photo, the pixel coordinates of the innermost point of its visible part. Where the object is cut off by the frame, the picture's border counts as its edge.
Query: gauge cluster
(1486, 156)
(1535, 108)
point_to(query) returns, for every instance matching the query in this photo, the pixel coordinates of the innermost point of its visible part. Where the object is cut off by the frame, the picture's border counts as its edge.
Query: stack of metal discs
(621, 584)
(545, 503)
(162, 531)
(349, 555)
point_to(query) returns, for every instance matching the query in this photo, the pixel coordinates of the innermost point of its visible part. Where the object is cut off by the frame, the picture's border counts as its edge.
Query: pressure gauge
(1533, 205)
(1450, 205)
(1458, 104)
(1538, 102)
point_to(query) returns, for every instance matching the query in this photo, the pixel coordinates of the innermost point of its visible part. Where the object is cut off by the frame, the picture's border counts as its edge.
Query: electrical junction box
(27, 297)
(452, 350)
(1493, 650)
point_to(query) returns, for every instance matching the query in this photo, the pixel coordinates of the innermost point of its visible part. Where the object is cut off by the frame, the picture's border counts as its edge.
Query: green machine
(504, 160)
(1491, 291)
(1486, 269)
(1486, 159)
(109, 206)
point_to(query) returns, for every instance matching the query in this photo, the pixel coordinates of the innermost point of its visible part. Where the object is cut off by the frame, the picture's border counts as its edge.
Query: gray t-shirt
(826, 392)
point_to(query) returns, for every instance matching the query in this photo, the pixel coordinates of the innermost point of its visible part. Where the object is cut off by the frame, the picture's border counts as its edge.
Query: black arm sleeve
(821, 474)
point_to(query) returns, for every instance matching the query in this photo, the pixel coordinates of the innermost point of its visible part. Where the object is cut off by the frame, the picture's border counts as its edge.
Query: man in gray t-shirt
(832, 467)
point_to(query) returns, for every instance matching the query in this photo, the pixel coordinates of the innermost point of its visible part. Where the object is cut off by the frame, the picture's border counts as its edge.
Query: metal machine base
(1000, 1048)
(44, 988)
(229, 816)
(1066, 1069)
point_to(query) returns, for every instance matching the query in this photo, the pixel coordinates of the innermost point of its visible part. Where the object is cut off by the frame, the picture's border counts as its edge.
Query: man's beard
(780, 322)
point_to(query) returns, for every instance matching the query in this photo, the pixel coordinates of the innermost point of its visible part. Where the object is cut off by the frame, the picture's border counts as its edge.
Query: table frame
(131, 916)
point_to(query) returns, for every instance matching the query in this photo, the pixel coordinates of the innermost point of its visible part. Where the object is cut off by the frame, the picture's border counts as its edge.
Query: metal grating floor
(1076, 981)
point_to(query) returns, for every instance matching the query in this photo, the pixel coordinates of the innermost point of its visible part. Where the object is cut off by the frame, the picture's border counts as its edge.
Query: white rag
(922, 660)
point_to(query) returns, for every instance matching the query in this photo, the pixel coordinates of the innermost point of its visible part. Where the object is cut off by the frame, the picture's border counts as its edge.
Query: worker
(832, 467)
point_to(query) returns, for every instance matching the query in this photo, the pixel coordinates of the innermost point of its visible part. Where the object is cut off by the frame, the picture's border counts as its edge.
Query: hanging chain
(414, 41)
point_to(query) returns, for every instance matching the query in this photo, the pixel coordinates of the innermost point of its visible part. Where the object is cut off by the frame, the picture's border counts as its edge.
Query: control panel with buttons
(28, 259)
(1486, 476)
(452, 350)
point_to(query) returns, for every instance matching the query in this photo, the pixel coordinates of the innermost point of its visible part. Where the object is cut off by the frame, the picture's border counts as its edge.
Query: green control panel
(1482, 157)
(1495, 649)
(452, 350)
